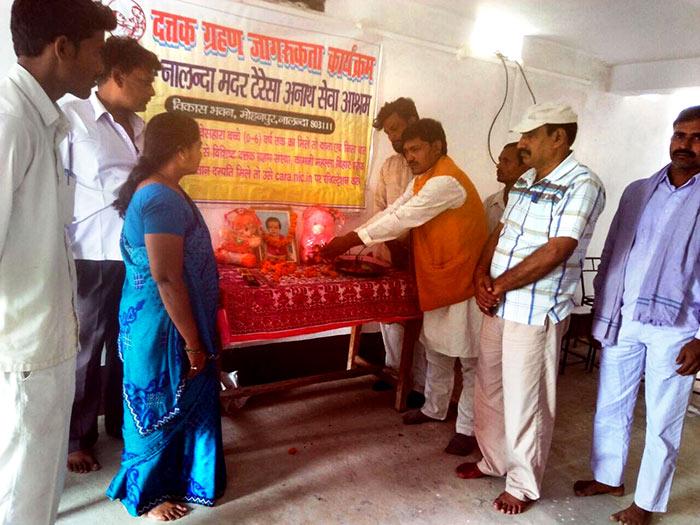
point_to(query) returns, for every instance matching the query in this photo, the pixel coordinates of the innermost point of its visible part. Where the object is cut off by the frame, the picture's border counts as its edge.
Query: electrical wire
(505, 98)
(522, 72)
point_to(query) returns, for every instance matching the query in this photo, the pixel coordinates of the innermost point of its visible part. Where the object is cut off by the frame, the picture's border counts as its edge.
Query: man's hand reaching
(340, 245)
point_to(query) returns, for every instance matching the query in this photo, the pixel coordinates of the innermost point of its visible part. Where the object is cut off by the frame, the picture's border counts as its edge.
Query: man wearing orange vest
(443, 212)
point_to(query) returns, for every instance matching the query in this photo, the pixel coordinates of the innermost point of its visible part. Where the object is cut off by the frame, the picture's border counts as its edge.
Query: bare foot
(83, 461)
(168, 511)
(591, 487)
(469, 471)
(632, 515)
(509, 504)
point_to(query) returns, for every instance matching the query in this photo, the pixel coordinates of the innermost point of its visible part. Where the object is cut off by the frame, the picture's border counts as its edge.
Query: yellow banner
(285, 114)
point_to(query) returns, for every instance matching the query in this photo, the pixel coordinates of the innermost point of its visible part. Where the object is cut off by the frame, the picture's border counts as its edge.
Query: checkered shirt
(565, 203)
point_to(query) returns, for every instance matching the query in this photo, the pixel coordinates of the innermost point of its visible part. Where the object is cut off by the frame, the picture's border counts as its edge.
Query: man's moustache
(684, 152)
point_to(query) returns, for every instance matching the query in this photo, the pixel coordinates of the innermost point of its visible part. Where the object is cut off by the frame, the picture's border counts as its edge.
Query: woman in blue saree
(167, 333)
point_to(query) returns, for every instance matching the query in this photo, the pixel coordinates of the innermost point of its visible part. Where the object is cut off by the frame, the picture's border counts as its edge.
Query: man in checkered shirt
(525, 281)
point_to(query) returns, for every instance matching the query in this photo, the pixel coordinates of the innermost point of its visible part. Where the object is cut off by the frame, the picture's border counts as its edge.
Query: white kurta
(451, 330)
(394, 176)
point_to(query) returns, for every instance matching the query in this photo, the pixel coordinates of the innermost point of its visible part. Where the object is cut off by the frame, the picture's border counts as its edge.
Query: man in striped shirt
(525, 282)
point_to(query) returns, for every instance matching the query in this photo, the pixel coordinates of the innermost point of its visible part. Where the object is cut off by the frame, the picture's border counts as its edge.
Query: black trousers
(99, 292)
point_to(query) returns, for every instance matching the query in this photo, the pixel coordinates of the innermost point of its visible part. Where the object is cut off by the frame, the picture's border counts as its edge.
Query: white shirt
(394, 176)
(439, 194)
(565, 203)
(494, 205)
(100, 155)
(38, 327)
(445, 330)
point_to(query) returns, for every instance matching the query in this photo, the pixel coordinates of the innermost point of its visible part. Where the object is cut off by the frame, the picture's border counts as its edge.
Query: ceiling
(615, 31)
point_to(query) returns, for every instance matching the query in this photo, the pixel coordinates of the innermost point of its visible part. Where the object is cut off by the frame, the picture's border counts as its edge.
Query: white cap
(545, 113)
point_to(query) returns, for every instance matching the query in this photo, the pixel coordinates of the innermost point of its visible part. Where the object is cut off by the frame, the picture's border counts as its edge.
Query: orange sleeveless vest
(447, 248)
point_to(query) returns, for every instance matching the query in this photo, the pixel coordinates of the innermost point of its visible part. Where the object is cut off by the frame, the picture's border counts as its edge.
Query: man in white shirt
(443, 213)
(100, 152)
(508, 170)
(58, 44)
(394, 175)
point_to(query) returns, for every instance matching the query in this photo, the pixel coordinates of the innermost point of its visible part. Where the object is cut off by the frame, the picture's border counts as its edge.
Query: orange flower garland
(275, 271)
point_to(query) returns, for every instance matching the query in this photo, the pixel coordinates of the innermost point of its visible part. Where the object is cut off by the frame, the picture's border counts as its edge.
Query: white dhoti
(651, 351)
(448, 334)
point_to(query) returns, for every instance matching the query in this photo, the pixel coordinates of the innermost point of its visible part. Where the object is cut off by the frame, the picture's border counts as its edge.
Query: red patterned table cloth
(304, 305)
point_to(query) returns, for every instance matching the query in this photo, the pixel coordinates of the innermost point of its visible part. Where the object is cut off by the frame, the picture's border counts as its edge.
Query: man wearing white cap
(525, 282)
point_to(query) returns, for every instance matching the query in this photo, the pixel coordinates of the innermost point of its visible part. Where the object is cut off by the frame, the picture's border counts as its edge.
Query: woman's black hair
(166, 134)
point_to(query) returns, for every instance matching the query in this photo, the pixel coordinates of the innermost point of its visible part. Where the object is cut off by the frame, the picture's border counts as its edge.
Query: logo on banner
(131, 20)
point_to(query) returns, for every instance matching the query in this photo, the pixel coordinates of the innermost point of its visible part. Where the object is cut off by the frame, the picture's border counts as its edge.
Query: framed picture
(278, 234)
(240, 238)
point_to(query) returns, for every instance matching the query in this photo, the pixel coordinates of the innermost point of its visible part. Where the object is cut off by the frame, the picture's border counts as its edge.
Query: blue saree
(172, 429)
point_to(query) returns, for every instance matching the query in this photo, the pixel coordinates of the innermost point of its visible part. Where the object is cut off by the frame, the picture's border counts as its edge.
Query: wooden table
(259, 309)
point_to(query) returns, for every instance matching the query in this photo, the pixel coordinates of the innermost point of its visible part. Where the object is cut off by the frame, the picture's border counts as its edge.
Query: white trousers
(35, 410)
(392, 335)
(515, 401)
(438, 389)
(652, 351)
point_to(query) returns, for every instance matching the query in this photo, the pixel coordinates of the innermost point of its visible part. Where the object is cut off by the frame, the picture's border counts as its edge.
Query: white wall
(664, 74)
(7, 55)
(621, 138)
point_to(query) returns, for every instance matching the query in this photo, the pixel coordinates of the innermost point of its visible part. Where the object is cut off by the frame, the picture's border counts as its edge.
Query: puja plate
(359, 266)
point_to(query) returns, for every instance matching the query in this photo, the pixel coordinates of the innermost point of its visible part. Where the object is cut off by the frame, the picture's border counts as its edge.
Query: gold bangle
(193, 350)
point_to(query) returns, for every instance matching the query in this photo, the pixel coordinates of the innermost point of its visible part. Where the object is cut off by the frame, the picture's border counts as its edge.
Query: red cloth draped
(303, 305)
